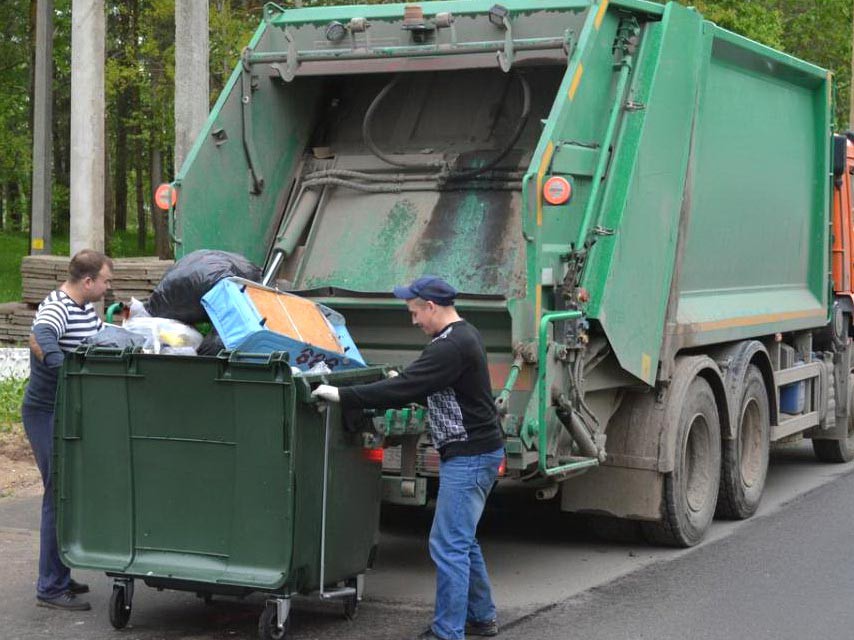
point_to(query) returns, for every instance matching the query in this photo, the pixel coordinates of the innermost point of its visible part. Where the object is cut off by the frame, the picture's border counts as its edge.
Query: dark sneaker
(488, 628)
(429, 635)
(66, 601)
(78, 587)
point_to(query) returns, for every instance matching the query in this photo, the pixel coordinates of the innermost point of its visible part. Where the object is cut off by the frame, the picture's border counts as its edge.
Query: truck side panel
(629, 272)
(218, 206)
(756, 253)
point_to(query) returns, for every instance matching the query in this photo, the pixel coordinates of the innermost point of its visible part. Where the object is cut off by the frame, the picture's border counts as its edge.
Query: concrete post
(192, 87)
(40, 237)
(88, 30)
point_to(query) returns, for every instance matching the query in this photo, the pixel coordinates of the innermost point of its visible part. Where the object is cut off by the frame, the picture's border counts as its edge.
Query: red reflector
(165, 196)
(557, 190)
(502, 468)
(373, 455)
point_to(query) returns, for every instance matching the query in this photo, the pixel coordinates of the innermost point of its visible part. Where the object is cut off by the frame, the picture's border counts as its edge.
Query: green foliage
(15, 144)
(755, 19)
(13, 247)
(818, 31)
(11, 395)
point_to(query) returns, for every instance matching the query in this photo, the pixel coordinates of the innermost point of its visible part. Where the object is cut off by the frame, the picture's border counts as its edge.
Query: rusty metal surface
(370, 242)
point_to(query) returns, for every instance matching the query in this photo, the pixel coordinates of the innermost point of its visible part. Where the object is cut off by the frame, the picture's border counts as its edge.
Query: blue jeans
(53, 575)
(462, 586)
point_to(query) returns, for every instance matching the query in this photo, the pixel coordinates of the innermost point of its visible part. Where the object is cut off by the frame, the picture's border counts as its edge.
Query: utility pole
(192, 90)
(40, 237)
(88, 34)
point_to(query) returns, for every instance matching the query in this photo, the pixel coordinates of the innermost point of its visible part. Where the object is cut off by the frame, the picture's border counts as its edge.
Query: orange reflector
(502, 468)
(557, 190)
(373, 455)
(165, 197)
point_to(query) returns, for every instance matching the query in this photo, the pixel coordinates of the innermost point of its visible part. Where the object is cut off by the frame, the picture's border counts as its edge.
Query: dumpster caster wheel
(268, 624)
(119, 607)
(351, 603)
(351, 607)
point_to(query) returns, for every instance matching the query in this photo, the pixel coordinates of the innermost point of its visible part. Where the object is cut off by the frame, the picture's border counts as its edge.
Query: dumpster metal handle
(344, 591)
(259, 359)
(327, 431)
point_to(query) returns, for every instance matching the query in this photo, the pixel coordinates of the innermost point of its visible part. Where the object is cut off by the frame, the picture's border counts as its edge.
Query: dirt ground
(19, 475)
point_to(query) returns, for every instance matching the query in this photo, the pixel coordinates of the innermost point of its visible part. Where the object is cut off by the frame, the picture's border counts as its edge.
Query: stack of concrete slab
(132, 277)
(15, 321)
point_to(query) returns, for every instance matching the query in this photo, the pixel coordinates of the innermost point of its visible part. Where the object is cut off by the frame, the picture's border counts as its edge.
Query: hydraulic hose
(401, 177)
(520, 126)
(400, 188)
(369, 139)
(367, 123)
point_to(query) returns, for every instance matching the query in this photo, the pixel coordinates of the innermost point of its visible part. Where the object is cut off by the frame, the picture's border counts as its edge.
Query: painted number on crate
(309, 358)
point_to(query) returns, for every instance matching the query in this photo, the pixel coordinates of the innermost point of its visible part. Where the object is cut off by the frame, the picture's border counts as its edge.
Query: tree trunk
(120, 179)
(140, 198)
(109, 205)
(158, 216)
(61, 157)
(13, 205)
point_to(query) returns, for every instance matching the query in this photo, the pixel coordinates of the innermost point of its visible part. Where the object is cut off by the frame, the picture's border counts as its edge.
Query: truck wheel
(744, 465)
(691, 489)
(839, 450)
(268, 628)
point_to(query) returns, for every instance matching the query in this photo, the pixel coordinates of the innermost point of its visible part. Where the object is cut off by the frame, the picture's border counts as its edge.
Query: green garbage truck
(636, 205)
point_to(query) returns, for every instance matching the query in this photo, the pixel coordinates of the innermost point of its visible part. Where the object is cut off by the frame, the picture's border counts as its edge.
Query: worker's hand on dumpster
(391, 373)
(326, 392)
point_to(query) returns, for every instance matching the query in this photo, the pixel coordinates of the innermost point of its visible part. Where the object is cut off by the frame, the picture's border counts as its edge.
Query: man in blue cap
(452, 374)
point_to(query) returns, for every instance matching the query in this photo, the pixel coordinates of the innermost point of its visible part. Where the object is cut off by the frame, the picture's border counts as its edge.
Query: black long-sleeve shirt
(452, 374)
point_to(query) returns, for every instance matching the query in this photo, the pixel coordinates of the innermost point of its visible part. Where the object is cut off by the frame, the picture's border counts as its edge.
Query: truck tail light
(166, 196)
(373, 455)
(557, 190)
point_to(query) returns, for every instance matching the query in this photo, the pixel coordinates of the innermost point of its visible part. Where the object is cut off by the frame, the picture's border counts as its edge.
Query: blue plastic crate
(241, 328)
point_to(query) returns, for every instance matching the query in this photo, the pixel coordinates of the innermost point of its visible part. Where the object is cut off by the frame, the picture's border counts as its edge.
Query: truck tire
(744, 459)
(839, 450)
(691, 489)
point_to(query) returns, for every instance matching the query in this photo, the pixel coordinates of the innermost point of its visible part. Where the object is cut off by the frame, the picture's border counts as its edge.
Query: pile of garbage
(219, 293)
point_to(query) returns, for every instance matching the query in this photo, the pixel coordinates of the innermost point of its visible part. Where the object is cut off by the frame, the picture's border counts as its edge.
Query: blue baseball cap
(431, 288)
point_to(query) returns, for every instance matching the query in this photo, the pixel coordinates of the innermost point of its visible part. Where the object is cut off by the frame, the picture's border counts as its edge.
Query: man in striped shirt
(64, 319)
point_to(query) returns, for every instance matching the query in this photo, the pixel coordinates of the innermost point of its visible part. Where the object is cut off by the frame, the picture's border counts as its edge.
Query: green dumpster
(216, 475)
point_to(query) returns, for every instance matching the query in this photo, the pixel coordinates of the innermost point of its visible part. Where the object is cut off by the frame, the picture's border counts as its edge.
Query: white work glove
(326, 392)
(391, 373)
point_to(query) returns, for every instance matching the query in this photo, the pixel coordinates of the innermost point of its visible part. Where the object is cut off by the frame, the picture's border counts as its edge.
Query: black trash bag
(115, 337)
(211, 345)
(179, 294)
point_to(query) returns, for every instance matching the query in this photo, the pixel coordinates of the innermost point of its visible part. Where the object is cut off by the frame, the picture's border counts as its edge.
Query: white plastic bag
(160, 332)
(137, 310)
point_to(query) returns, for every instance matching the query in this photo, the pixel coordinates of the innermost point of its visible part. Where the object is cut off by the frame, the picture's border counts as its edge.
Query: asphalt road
(551, 579)
(786, 576)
